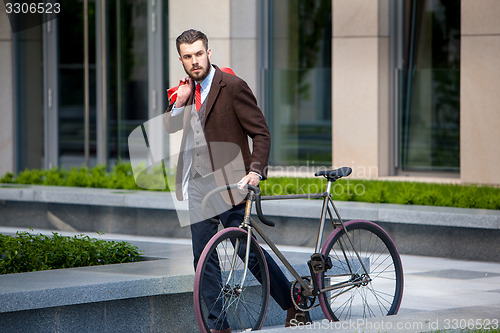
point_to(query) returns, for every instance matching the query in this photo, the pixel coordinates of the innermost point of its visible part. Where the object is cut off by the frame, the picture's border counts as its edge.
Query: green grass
(120, 177)
(394, 192)
(374, 191)
(29, 252)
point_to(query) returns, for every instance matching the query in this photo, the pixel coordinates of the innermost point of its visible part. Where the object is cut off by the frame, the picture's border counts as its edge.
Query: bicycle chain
(296, 296)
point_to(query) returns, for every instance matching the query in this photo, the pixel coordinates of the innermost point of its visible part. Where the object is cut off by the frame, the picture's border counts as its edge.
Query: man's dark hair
(189, 37)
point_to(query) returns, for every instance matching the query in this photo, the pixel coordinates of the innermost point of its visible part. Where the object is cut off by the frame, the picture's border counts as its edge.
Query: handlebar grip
(258, 206)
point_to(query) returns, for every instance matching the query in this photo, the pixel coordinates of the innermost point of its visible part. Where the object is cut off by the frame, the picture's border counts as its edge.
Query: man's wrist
(178, 104)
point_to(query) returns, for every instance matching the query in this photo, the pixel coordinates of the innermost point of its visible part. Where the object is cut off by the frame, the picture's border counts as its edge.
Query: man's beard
(200, 76)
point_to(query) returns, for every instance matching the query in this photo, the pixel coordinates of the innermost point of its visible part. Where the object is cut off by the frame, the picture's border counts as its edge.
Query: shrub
(35, 252)
(394, 192)
(120, 177)
(377, 191)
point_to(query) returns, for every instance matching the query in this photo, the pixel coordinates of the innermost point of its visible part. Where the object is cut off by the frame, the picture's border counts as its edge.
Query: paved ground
(439, 293)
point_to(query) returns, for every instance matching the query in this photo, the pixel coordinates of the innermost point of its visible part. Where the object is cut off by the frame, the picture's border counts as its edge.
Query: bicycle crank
(302, 302)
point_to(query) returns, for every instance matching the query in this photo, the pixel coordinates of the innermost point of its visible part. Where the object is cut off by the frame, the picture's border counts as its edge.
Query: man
(216, 107)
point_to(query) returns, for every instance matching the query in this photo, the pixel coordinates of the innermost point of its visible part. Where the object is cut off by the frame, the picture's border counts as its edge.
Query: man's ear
(209, 53)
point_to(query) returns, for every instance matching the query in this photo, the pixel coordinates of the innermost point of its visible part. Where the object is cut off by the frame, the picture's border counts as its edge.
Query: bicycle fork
(244, 224)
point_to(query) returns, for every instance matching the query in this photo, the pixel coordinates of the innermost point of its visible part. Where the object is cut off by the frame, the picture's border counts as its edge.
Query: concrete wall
(427, 231)
(211, 18)
(6, 95)
(231, 27)
(479, 96)
(244, 41)
(152, 314)
(360, 86)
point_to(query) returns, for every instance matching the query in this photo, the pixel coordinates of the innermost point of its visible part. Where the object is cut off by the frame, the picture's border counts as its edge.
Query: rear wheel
(220, 301)
(375, 292)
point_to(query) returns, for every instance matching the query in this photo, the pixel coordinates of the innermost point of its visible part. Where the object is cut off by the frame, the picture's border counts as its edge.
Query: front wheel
(368, 286)
(220, 299)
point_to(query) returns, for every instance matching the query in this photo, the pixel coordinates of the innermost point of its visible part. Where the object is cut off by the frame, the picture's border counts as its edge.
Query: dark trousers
(202, 232)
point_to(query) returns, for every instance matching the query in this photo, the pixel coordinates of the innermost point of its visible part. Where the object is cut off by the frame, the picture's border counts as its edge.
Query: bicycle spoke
(376, 292)
(385, 270)
(239, 307)
(368, 306)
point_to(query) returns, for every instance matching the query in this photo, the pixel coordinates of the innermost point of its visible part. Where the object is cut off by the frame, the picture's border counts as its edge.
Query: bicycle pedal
(303, 317)
(317, 263)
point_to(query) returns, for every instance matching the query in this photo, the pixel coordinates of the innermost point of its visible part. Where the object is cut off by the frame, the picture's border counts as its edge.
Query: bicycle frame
(310, 290)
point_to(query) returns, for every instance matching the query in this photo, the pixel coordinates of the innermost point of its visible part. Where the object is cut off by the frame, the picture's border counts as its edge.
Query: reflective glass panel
(128, 71)
(72, 84)
(28, 73)
(429, 87)
(300, 82)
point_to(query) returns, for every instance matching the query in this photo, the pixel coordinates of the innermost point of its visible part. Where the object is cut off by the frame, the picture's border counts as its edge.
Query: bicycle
(356, 273)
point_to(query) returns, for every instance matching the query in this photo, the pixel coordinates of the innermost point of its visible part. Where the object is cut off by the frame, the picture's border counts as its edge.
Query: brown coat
(231, 116)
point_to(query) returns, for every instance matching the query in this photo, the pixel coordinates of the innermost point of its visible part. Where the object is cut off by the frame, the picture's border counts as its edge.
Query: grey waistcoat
(200, 155)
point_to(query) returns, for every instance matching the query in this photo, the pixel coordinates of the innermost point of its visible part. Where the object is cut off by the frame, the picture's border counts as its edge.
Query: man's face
(195, 60)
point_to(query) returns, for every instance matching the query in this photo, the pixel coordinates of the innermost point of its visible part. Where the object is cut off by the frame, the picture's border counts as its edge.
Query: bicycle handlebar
(258, 206)
(254, 189)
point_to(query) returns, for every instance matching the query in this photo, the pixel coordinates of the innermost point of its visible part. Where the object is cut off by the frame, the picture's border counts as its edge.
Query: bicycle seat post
(323, 216)
(329, 186)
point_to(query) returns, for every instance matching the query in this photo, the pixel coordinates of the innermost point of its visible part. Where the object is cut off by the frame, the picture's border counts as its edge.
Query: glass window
(72, 84)
(128, 72)
(29, 98)
(429, 87)
(127, 77)
(127, 55)
(299, 91)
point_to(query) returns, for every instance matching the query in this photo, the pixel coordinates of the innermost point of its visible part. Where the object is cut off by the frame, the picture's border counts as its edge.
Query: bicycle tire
(242, 309)
(379, 297)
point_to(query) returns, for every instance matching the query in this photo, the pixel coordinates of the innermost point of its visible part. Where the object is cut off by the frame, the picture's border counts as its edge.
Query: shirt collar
(207, 82)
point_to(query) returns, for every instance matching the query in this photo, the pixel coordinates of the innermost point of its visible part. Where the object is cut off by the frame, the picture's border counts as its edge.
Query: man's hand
(183, 92)
(251, 178)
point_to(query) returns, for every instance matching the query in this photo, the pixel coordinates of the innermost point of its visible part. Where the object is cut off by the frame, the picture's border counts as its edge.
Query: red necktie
(197, 97)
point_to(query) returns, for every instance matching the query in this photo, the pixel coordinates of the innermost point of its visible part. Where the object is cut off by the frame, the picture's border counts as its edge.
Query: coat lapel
(217, 84)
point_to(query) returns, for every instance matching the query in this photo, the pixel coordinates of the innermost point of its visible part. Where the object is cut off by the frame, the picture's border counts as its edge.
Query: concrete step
(418, 230)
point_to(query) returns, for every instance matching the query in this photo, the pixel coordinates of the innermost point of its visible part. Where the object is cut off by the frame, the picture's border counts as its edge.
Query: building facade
(394, 88)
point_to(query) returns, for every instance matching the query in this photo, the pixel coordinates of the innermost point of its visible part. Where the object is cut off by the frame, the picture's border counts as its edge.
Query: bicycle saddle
(334, 174)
